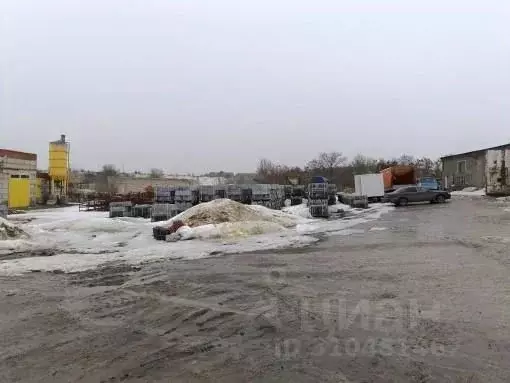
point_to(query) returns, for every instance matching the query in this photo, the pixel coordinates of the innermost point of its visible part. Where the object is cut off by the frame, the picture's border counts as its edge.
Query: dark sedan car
(411, 194)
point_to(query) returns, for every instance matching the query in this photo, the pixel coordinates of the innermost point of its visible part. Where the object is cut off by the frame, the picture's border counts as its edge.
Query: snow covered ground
(70, 240)
(469, 192)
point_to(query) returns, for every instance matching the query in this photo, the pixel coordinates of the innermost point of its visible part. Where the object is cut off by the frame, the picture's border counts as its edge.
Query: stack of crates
(277, 197)
(271, 196)
(164, 194)
(298, 193)
(332, 191)
(220, 191)
(246, 194)
(142, 211)
(184, 198)
(318, 196)
(206, 193)
(195, 194)
(360, 201)
(234, 192)
(121, 209)
(261, 194)
(288, 191)
(163, 211)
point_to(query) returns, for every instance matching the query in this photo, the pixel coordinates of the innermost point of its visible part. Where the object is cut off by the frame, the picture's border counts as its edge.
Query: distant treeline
(339, 170)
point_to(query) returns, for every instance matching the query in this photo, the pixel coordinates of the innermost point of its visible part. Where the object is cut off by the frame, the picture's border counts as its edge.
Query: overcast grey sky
(195, 86)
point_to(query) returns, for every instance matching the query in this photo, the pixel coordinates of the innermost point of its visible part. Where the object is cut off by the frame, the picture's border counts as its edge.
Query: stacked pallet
(142, 211)
(164, 194)
(163, 211)
(318, 196)
(121, 209)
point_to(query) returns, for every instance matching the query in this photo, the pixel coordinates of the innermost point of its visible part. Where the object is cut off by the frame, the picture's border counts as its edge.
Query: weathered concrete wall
(125, 185)
(497, 169)
(473, 174)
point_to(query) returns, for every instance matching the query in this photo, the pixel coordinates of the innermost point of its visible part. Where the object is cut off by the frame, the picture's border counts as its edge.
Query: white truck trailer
(370, 185)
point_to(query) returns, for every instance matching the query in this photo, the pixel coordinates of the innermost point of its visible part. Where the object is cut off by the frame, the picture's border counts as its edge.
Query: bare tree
(265, 170)
(406, 159)
(438, 168)
(326, 163)
(361, 164)
(270, 172)
(109, 170)
(156, 173)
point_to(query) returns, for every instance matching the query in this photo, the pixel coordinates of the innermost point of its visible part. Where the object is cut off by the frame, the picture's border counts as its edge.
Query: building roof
(504, 146)
(18, 155)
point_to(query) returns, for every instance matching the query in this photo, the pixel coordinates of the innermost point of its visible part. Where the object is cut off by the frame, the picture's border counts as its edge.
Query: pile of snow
(470, 191)
(299, 210)
(227, 211)
(224, 218)
(9, 231)
(236, 229)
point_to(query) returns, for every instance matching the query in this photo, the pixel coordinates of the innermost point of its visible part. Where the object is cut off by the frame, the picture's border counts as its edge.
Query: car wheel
(440, 198)
(402, 202)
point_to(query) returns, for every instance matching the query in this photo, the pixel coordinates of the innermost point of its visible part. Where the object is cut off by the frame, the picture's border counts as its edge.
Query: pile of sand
(10, 231)
(225, 210)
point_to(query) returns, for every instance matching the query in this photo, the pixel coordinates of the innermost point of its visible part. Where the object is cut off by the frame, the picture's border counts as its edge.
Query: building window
(461, 166)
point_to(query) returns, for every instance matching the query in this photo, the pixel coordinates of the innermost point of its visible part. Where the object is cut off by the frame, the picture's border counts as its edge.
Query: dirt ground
(421, 295)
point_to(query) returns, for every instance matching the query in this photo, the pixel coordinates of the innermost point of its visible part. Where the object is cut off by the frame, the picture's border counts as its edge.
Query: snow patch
(376, 228)
(85, 240)
(470, 191)
(9, 231)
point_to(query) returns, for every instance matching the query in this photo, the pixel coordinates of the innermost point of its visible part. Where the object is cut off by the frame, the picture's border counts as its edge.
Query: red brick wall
(18, 155)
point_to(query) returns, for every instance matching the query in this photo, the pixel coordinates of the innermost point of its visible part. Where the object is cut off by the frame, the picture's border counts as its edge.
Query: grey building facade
(479, 168)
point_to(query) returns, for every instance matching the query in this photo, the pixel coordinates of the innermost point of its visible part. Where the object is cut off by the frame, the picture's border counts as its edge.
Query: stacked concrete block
(142, 211)
(183, 206)
(234, 192)
(332, 191)
(318, 196)
(261, 192)
(164, 194)
(207, 193)
(121, 209)
(277, 196)
(163, 211)
(220, 191)
(183, 194)
(354, 200)
(246, 194)
(271, 196)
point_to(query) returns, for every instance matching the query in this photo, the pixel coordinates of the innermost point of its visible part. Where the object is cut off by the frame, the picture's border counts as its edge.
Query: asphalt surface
(421, 295)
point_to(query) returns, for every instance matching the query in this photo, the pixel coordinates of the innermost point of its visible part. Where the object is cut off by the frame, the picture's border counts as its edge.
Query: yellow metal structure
(19, 192)
(58, 168)
(59, 161)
